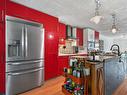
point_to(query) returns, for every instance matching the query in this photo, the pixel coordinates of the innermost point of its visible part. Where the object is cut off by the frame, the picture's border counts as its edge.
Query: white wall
(122, 42)
(108, 42)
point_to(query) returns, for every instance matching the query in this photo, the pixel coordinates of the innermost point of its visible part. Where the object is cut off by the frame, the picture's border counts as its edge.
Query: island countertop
(102, 59)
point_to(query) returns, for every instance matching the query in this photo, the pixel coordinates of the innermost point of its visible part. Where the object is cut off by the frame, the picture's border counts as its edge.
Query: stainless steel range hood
(70, 32)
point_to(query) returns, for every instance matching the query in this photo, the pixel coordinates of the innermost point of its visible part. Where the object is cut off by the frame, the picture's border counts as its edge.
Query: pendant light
(97, 18)
(114, 28)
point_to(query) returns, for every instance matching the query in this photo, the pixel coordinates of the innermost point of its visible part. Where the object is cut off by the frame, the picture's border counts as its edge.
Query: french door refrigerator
(24, 55)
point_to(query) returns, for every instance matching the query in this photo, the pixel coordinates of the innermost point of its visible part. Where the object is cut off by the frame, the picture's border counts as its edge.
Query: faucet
(117, 49)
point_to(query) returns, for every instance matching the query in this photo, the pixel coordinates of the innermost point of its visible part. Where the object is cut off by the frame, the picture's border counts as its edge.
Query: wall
(108, 42)
(122, 42)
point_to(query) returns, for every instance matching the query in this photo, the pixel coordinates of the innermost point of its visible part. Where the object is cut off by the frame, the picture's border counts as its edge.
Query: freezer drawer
(18, 66)
(19, 82)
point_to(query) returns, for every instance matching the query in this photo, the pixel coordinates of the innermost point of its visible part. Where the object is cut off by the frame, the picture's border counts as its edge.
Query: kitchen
(63, 38)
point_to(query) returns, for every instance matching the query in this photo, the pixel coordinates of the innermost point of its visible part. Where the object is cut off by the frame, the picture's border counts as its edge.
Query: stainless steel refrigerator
(24, 55)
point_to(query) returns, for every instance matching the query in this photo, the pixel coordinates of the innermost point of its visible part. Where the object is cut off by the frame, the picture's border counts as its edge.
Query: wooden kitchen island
(106, 75)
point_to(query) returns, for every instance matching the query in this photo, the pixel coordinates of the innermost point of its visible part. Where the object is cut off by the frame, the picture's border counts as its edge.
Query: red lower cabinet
(2, 78)
(63, 61)
(51, 66)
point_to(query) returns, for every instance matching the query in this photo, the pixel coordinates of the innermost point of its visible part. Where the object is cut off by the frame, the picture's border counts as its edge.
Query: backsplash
(68, 48)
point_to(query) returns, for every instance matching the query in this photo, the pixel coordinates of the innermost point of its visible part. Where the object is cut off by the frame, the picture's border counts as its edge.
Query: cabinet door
(2, 8)
(80, 36)
(51, 66)
(96, 36)
(62, 33)
(2, 46)
(2, 58)
(16, 10)
(62, 62)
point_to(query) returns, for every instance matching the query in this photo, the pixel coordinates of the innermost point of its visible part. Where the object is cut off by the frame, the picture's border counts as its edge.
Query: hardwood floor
(53, 87)
(50, 87)
(122, 89)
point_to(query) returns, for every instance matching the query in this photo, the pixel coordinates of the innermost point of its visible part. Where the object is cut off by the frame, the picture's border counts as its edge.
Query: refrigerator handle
(23, 41)
(26, 72)
(26, 41)
(25, 63)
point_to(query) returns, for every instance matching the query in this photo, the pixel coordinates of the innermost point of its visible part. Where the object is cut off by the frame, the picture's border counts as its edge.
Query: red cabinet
(2, 9)
(2, 59)
(63, 61)
(2, 47)
(96, 36)
(51, 34)
(51, 66)
(80, 36)
(62, 33)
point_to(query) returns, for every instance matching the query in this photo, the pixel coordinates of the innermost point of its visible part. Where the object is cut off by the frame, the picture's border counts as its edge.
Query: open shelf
(65, 91)
(75, 79)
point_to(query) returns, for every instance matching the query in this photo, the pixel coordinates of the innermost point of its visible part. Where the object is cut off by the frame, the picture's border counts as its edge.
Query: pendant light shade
(96, 19)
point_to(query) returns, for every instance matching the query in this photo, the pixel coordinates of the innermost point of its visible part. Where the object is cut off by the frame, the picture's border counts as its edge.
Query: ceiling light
(97, 18)
(114, 28)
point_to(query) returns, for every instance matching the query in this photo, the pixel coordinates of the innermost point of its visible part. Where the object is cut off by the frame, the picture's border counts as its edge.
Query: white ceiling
(79, 12)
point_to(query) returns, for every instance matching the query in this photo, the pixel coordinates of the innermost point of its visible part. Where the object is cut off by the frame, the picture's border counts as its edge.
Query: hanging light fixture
(97, 18)
(114, 28)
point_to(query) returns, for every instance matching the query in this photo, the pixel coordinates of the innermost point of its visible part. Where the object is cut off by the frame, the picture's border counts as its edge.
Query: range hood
(70, 32)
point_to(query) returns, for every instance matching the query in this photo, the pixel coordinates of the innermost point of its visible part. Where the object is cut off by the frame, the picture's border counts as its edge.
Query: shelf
(65, 91)
(75, 79)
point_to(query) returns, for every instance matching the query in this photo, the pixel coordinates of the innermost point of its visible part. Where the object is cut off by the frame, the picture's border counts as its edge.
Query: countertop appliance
(24, 55)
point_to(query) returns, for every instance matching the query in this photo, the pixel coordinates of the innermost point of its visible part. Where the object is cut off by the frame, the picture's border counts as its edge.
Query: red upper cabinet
(14, 9)
(96, 36)
(62, 33)
(2, 10)
(80, 36)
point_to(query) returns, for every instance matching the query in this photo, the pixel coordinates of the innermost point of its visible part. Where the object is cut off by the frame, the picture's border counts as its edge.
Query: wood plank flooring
(50, 87)
(122, 89)
(53, 87)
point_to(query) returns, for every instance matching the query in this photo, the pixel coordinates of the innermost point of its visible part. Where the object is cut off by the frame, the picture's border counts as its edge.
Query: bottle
(78, 73)
(74, 72)
(69, 71)
(65, 70)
